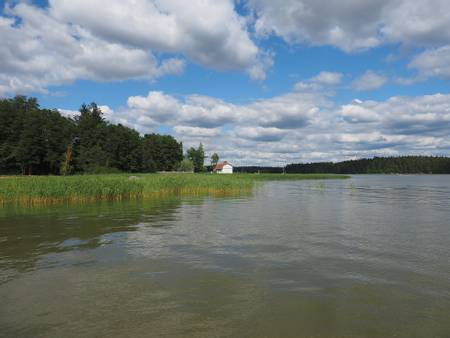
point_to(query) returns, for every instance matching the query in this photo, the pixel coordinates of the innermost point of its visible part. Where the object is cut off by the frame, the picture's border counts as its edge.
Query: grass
(110, 187)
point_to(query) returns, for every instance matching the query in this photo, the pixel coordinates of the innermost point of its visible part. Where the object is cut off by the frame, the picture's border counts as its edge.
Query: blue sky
(258, 81)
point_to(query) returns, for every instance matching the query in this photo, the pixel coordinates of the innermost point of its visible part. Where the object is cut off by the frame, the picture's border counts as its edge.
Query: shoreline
(48, 190)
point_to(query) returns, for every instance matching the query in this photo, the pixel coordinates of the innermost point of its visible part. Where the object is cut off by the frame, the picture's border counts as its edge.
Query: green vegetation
(197, 157)
(378, 165)
(161, 153)
(86, 188)
(186, 165)
(35, 141)
(214, 160)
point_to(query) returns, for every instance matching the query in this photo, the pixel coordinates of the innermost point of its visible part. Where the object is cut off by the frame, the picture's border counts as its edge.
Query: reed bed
(113, 187)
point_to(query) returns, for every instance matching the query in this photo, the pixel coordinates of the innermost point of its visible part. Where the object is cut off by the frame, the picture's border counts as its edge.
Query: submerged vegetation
(88, 188)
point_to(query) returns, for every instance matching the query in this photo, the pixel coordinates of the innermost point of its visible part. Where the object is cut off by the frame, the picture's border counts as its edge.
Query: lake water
(365, 257)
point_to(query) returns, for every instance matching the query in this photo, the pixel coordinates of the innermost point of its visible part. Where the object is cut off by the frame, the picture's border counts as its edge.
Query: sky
(260, 82)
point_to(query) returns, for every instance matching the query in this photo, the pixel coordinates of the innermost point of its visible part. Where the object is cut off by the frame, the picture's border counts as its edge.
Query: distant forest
(258, 169)
(378, 165)
(40, 142)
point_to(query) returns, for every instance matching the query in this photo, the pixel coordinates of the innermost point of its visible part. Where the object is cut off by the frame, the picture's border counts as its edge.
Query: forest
(258, 170)
(378, 165)
(35, 141)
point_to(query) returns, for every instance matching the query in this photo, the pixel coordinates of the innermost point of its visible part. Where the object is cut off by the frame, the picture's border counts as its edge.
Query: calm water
(366, 257)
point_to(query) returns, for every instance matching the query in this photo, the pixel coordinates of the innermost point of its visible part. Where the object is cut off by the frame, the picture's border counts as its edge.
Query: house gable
(223, 167)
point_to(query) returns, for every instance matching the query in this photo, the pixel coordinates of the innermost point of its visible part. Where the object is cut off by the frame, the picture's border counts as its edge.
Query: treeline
(258, 169)
(378, 165)
(42, 141)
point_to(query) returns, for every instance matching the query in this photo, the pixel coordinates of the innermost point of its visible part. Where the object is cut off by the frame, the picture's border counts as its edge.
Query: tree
(58, 132)
(13, 114)
(67, 166)
(30, 151)
(41, 141)
(124, 148)
(377, 165)
(92, 132)
(197, 156)
(186, 165)
(161, 153)
(214, 159)
(90, 114)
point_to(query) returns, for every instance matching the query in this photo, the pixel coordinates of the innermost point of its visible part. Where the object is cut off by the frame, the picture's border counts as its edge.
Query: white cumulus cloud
(114, 40)
(297, 126)
(369, 80)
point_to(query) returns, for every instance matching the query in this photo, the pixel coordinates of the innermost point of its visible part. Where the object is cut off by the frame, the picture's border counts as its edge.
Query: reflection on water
(31, 236)
(366, 257)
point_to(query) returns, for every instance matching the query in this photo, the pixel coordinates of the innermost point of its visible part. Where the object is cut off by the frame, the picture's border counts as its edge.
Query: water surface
(366, 257)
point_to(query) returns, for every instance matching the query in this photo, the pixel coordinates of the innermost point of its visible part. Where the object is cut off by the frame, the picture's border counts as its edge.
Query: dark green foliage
(124, 148)
(92, 132)
(12, 117)
(378, 165)
(40, 141)
(31, 139)
(31, 150)
(161, 153)
(258, 169)
(197, 156)
(214, 159)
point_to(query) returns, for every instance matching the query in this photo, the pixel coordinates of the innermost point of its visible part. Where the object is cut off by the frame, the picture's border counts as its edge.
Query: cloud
(349, 25)
(353, 25)
(359, 113)
(369, 81)
(319, 83)
(208, 32)
(423, 115)
(196, 132)
(162, 107)
(293, 110)
(194, 110)
(298, 126)
(433, 63)
(39, 51)
(327, 78)
(67, 41)
(71, 113)
(417, 22)
(259, 69)
(290, 111)
(110, 41)
(260, 134)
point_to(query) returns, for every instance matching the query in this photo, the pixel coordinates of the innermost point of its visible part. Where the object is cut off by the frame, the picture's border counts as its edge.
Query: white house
(223, 168)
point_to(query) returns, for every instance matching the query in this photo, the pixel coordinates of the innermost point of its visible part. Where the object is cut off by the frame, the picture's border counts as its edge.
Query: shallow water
(365, 257)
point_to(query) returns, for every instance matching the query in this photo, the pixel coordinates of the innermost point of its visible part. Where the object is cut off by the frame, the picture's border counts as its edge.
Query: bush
(186, 165)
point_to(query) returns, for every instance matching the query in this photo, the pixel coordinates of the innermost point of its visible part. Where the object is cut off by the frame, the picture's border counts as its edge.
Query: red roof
(219, 166)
